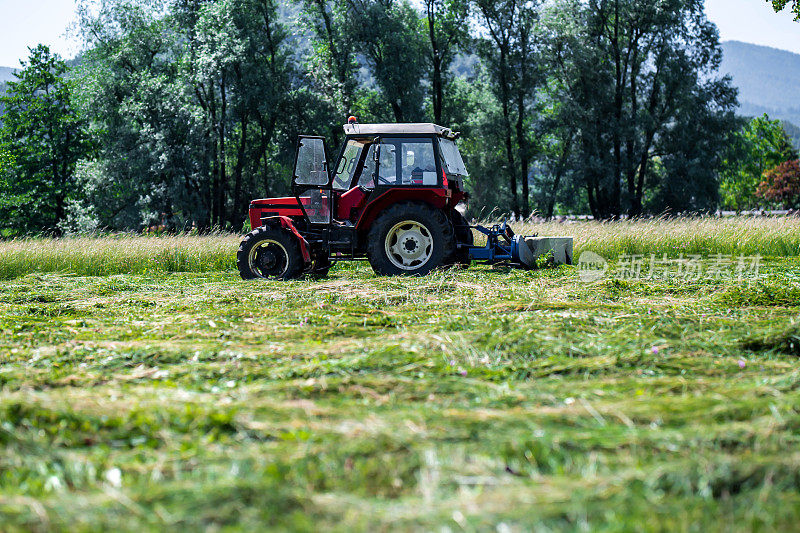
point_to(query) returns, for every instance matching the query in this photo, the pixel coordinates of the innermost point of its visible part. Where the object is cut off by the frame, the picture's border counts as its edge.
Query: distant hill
(768, 79)
(6, 74)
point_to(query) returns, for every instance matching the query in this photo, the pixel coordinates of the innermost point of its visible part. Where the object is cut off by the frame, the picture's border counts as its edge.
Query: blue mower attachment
(503, 246)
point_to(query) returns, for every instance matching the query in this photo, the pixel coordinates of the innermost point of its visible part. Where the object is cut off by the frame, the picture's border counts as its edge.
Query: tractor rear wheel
(464, 235)
(270, 253)
(409, 239)
(320, 268)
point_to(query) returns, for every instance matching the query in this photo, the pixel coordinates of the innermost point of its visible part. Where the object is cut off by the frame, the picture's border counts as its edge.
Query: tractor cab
(376, 159)
(390, 197)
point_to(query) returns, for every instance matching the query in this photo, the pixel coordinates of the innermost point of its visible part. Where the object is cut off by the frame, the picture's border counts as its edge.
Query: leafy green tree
(388, 34)
(448, 31)
(237, 42)
(131, 89)
(760, 145)
(684, 173)
(332, 66)
(508, 51)
(632, 75)
(556, 163)
(190, 98)
(780, 5)
(477, 114)
(42, 139)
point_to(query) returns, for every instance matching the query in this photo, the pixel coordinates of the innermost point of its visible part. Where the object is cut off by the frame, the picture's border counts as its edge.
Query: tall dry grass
(118, 254)
(775, 237)
(131, 254)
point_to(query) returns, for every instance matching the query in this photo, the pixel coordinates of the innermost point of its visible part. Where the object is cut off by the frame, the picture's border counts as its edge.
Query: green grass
(118, 254)
(480, 399)
(130, 254)
(776, 237)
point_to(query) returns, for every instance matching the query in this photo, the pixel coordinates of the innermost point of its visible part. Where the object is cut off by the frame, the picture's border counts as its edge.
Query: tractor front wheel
(270, 253)
(409, 239)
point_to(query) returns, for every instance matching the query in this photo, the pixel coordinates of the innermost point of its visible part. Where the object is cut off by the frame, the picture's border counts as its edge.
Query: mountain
(768, 79)
(6, 74)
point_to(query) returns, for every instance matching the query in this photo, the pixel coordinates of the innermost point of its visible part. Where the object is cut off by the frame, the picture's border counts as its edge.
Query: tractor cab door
(311, 182)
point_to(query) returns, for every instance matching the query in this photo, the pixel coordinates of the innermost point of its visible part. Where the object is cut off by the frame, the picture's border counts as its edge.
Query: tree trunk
(238, 208)
(223, 175)
(337, 63)
(214, 186)
(560, 169)
(398, 112)
(506, 104)
(616, 194)
(522, 141)
(436, 58)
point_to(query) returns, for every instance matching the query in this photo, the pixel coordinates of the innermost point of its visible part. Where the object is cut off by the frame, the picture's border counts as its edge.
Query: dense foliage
(613, 107)
(781, 185)
(638, 81)
(42, 140)
(761, 145)
(779, 5)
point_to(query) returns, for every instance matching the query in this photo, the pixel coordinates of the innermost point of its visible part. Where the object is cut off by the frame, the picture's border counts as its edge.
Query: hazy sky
(25, 23)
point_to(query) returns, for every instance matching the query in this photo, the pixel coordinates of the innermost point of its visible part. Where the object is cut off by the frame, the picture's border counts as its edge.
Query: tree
(781, 185)
(760, 145)
(42, 139)
(632, 76)
(131, 87)
(190, 98)
(332, 66)
(235, 42)
(388, 34)
(447, 28)
(478, 116)
(779, 5)
(556, 164)
(508, 53)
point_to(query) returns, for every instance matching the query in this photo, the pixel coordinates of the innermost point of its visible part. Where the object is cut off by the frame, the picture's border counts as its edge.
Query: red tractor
(391, 198)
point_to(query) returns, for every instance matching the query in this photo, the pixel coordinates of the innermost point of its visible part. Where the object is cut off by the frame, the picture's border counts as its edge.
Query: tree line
(178, 112)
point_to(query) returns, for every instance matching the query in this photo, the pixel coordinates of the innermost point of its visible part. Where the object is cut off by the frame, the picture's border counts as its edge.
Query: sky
(27, 23)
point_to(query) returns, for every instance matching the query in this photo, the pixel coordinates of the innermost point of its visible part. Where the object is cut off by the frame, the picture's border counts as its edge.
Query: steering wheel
(385, 181)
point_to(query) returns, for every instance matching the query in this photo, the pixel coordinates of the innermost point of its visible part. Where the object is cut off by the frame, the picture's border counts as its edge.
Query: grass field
(145, 387)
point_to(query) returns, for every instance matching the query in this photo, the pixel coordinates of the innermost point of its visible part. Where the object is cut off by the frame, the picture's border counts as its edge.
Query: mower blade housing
(529, 249)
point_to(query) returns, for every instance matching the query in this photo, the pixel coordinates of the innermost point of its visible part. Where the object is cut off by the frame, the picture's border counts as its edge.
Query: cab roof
(423, 128)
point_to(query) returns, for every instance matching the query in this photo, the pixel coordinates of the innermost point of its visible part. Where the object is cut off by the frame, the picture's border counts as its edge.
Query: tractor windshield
(451, 157)
(348, 165)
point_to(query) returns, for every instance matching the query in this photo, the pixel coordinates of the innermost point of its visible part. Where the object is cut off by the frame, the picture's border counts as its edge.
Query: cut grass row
(477, 399)
(104, 255)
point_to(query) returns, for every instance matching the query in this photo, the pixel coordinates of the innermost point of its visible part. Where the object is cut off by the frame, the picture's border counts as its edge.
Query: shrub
(781, 185)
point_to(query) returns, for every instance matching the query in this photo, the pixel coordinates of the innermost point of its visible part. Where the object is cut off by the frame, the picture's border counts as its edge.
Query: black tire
(320, 268)
(426, 233)
(463, 234)
(269, 253)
